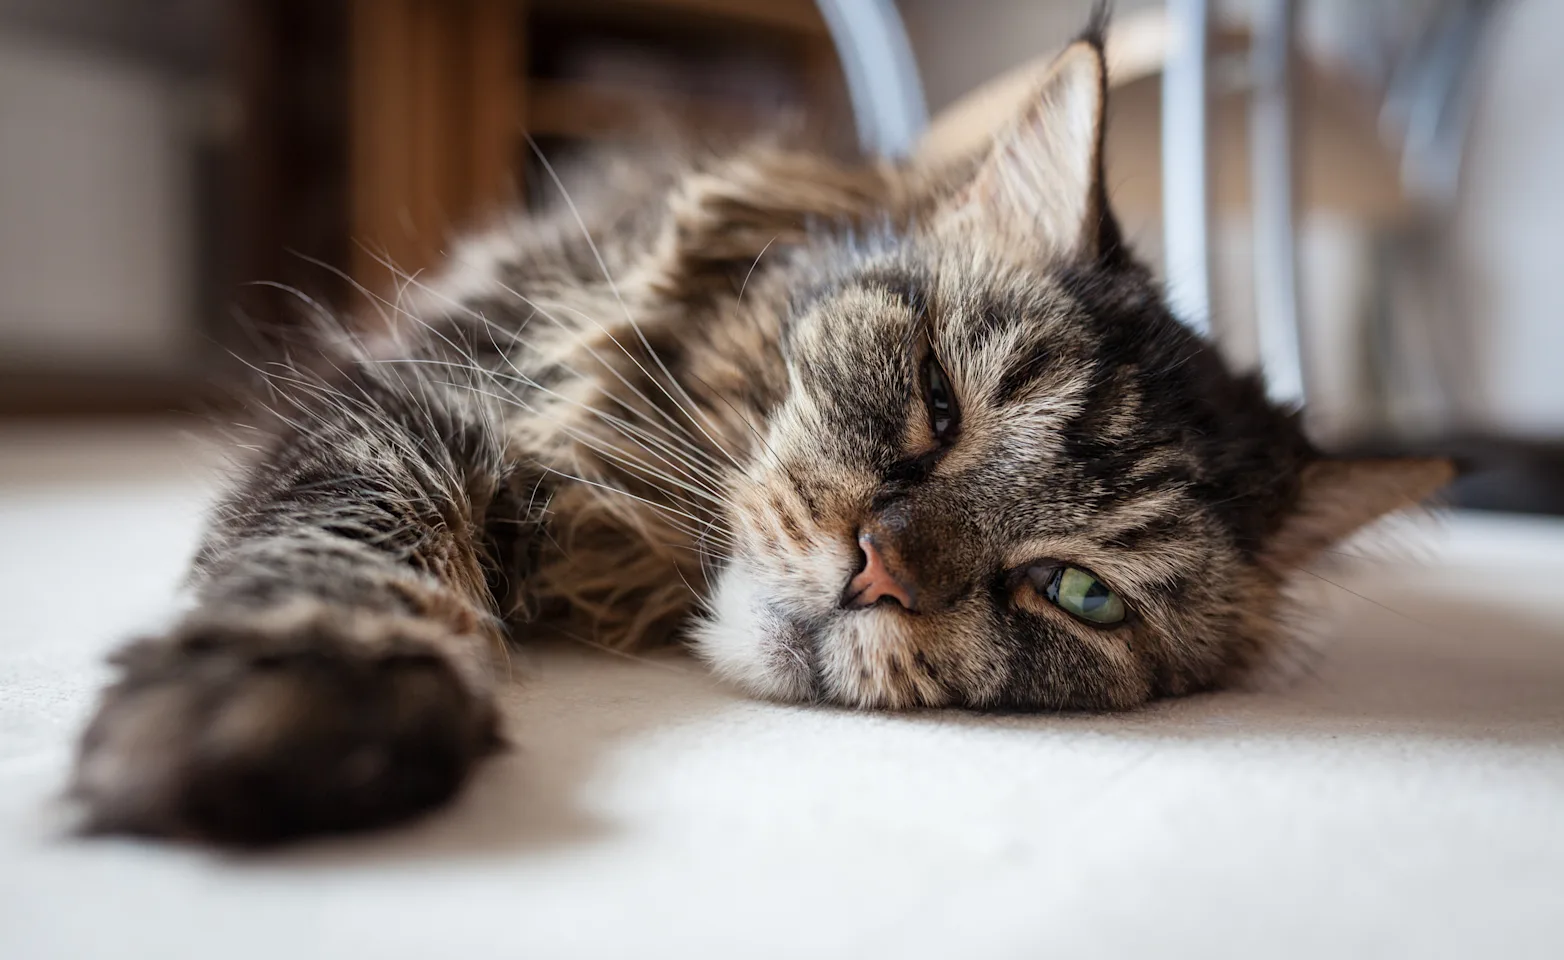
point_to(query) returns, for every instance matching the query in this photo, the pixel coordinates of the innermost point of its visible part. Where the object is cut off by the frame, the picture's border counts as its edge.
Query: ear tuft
(1042, 181)
(1340, 497)
(1096, 31)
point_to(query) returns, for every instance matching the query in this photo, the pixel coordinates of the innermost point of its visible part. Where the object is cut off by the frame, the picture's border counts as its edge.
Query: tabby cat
(887, 436)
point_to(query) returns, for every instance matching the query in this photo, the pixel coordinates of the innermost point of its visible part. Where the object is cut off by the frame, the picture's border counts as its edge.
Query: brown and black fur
(672, 412)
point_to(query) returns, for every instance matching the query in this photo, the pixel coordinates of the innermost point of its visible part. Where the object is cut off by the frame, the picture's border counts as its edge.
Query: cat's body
(881, 436)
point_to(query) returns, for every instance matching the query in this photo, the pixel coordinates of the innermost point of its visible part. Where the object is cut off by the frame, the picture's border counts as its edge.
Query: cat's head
(1003, 474)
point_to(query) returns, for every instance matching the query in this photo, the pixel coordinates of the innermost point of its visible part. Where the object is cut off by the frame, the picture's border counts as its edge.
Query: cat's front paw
(253, 727)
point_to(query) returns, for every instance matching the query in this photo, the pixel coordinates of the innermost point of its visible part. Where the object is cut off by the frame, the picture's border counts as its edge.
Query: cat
(880, 435)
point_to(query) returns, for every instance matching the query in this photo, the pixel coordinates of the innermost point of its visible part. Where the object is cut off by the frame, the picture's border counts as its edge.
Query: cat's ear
(1041, 182)
(1339, 497)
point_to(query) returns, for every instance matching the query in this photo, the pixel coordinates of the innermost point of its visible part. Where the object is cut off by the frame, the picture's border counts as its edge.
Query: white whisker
(629, 318)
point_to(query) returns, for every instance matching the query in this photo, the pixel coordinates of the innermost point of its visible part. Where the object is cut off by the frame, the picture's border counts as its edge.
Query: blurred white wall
(1510, 225)
(95, 215)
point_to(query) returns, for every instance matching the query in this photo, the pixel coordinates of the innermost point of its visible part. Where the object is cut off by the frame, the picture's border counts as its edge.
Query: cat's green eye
(1077, 592)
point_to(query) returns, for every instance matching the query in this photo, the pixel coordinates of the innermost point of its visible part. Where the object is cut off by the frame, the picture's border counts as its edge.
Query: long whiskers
(656, 408)
(615, 454)
(676, 435)
(472, 365)
(629, 318)
(694, 482)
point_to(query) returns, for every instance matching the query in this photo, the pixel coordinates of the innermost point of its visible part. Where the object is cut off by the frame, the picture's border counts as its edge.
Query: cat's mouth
(769, 646)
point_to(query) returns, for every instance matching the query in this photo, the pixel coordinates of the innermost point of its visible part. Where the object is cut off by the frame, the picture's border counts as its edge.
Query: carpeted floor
(1402, 795)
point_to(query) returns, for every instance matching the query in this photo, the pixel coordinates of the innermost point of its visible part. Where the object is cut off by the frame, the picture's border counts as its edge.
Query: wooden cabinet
(423, 109)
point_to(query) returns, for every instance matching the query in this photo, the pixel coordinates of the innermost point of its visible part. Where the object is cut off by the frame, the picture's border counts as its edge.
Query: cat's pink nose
(876, 581)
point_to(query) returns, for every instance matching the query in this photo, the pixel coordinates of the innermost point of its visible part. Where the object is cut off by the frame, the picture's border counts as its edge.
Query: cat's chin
(750, 643)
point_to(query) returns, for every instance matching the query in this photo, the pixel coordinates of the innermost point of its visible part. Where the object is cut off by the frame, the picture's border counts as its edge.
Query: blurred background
(1357, 195)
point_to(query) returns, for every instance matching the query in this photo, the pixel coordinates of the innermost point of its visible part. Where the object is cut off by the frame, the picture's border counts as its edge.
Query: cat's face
(1004, 475)
(992, 486)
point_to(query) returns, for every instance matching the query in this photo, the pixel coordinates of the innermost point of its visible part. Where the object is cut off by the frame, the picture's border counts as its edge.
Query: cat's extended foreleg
(334, 673)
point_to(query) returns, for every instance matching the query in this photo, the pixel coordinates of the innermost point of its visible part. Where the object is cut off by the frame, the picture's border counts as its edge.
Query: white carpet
(1404, 797)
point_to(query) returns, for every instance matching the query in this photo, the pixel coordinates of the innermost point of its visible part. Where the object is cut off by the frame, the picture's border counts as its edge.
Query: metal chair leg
(1186, 209)
(882, 78)
(1277, 316)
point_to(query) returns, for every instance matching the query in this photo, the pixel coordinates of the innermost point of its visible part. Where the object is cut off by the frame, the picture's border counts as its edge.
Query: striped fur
(667, 412)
